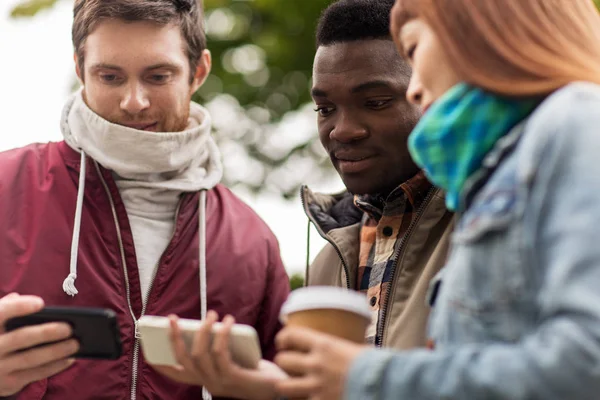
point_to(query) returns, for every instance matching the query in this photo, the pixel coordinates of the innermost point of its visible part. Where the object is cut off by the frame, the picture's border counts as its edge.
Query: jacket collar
(342, 231)
(330, 211)
(335, 211)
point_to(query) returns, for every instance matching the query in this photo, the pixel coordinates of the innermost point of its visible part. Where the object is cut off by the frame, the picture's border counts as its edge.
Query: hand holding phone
(209, 359)
(21, 357)
(156, 344)
(95, 329)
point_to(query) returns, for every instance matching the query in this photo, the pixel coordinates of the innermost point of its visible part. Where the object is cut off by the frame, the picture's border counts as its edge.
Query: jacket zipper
(398, 252)
(136, 346)
(324, 236)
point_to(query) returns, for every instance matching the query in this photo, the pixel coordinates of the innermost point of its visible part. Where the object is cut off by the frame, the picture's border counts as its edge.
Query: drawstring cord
(69, 282)
(202, 273)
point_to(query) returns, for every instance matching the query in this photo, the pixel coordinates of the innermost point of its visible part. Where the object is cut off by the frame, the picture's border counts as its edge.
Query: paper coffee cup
(332, 310)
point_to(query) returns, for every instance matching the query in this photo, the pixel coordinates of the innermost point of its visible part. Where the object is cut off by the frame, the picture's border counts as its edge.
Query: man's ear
(78, 70)
(202, 70)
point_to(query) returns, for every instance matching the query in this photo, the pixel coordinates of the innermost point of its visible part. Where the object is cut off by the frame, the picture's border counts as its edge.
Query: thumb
(12, 306)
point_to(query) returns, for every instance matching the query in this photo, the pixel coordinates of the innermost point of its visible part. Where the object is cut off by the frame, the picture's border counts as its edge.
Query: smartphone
(156, 344)
(96, 329)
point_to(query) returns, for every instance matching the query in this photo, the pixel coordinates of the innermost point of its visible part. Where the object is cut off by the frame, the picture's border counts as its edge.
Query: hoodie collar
(182, 161)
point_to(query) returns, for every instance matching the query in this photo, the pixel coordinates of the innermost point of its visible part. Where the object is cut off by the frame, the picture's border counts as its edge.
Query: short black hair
(349, 20)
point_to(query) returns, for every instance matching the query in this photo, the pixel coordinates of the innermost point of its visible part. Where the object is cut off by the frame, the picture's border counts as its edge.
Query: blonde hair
(512, 47)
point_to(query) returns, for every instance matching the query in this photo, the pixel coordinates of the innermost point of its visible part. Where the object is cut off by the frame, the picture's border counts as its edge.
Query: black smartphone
(96, 329)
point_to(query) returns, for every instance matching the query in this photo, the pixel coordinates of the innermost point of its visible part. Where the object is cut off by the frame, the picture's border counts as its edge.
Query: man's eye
(160, 78)
(324, 111)
(109, 78)
(378, 104)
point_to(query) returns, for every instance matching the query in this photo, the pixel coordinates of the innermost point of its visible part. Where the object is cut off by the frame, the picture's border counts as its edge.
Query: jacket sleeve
(277, 289)
(560, 359)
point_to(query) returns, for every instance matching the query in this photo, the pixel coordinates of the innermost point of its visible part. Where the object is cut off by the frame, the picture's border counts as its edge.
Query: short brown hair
(187, 14)
(512, 47)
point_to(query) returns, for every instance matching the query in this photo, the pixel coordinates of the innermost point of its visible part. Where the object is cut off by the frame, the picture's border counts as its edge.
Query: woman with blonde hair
(510, 92)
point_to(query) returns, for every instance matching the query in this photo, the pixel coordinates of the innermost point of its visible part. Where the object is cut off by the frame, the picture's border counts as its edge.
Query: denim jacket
(517, 313)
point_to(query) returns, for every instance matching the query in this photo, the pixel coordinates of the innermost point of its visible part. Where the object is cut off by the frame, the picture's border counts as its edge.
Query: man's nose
(348, 128)
(135, 99)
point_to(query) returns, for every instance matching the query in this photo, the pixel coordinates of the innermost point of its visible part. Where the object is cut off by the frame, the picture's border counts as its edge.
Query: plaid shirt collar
(414, 190)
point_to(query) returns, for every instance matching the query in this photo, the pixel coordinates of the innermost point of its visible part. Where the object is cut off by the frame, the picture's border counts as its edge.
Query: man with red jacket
(127, 212)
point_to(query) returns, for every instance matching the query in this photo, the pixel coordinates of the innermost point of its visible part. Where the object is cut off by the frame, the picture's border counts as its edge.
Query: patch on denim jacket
(492, 213)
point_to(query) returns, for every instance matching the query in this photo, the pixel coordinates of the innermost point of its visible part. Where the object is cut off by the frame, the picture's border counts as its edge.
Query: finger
(198, 368)
(34, 358)
(202, 338)
(30, 336)
(179, 348)
(17, 306)
(296, 364)
(272, 369)
(221, 353)
(42, 372)
(201, 354)
(301, 388)
(300, 339)
(10, 296)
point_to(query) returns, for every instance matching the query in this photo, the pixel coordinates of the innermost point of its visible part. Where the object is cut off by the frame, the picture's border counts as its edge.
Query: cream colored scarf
(184, 161)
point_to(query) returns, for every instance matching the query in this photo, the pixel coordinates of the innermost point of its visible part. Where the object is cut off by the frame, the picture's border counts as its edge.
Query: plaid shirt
(383, 226)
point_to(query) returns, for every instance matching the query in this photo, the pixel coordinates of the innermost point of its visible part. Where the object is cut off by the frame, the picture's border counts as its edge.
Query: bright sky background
(37, 71)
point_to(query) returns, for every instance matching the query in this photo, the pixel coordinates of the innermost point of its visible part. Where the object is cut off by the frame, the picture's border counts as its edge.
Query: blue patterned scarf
(461, 127)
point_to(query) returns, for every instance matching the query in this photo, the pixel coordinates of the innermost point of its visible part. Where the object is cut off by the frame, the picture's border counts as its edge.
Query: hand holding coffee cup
(336, 311)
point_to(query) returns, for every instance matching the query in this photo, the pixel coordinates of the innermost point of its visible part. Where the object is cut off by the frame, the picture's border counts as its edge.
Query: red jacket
(245, 275)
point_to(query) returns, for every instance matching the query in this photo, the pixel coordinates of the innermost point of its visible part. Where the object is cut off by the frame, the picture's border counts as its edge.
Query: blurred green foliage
(264, 50)
(296, 281)
(31, 7)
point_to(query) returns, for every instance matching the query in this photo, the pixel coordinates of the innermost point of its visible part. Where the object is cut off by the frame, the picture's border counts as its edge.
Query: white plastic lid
(325, 297)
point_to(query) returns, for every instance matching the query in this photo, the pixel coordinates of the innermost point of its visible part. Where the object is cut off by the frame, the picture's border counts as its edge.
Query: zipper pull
(137, 335)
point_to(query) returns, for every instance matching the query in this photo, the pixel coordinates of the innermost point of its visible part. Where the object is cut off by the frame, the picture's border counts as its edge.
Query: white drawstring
(202, 257)
(69, 282)
(202, 273)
